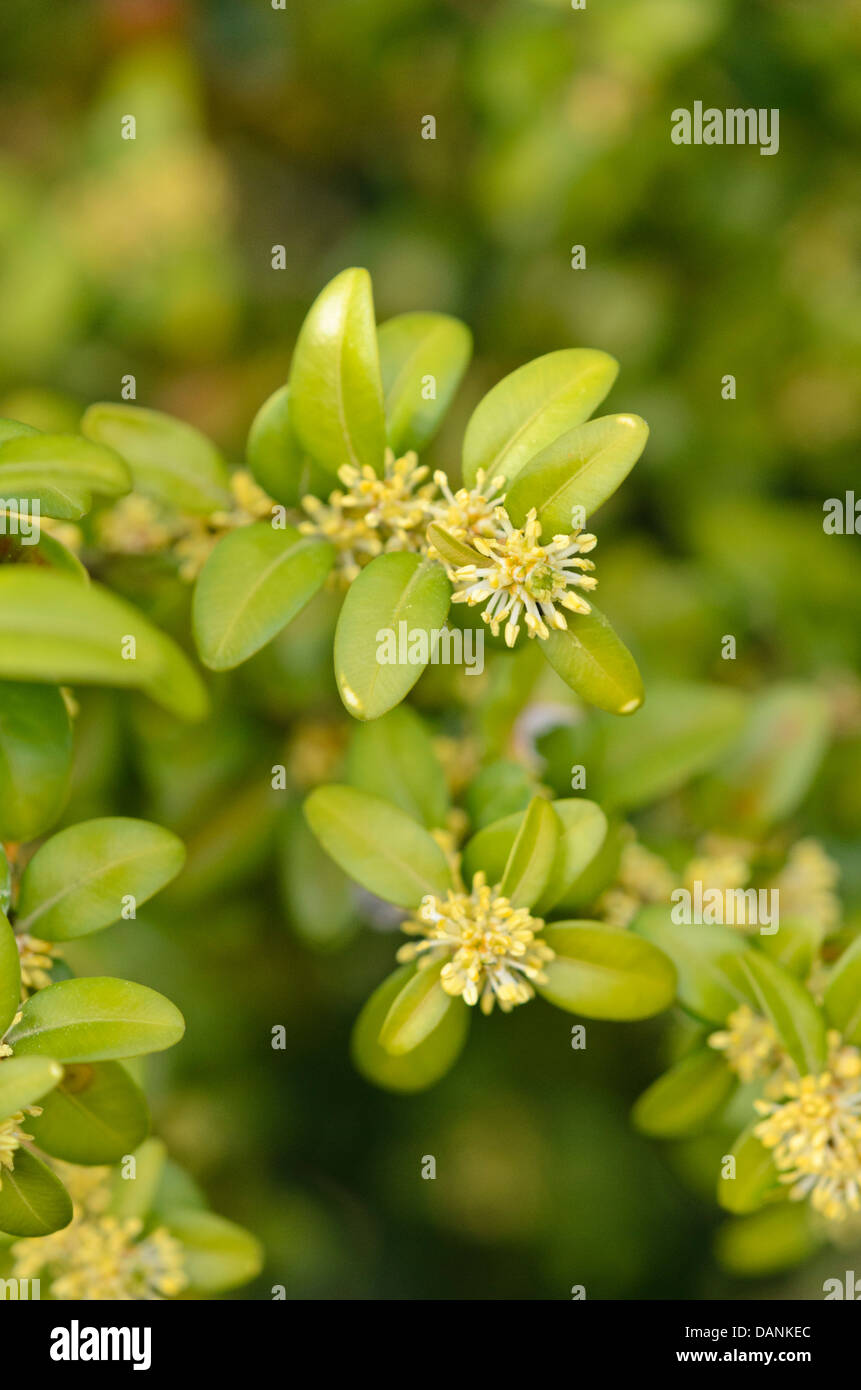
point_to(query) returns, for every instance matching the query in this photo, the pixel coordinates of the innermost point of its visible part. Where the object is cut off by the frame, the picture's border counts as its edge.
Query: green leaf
(335, 385)
(378, 845)
(398, 601)
(169, 460)
(60, 471)
(767, 1242)
(5, 881)
(488, 849)
(584, 828)
(843, 994)
(96, 1115)
(532, 407)
(602, 972)
(424, 1064)
(766, 775)
(706, 987)
(317, 894)
(755, 1175)
(394, 758)
(218, 1254)
(49, 551)
(96, 1019)
(580, 469)
(414, 347)
(254, 582)
(14, 429)
(415, 1012)
(500, 789)
(135, 1196)
(275, 458)
(77, 881)
(453, 551)
(532, 855)
(10, 975)
(35, 759)
(54, 629)
(33, 1201)
(788, 1004)
(682, 1101)
(795, 945)
(682, 731)
(24, 1080)
(595, 663)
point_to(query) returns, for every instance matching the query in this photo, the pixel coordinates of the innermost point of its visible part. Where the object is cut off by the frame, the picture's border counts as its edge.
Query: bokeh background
(258, 127)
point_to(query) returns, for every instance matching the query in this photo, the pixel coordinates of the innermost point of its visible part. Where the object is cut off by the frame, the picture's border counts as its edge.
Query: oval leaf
(275, 458)
(60, 471)
(394, 758)
(96, 1115)
(581, 469)
(605, 973)
(682, 1101)
(94, 1020)
(256, 579)
(415, 1012)
(378, 845)
(54, 629)
(532, 855)
(77, 881)
(414, 347)
(707, 988)
(755, 1175)
(33, 1201)
(595, 663)
(788, 1004)
(386, 627)
(424, 1064)
(24, 1080)
(35, 758)
(335, 384)
(532, 407)
(218, 1254)
(584, 828)
(169, 460)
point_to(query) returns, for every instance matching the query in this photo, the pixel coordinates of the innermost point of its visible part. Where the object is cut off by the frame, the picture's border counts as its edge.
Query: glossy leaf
(254, 582)
(755, 1175)
(415, 1012)
(595, 663)
(378, 845)
(397, 594)
(706, 987)
(54, 629)
(584, 827)
(24, 1081)
(96, 1115)
(169, 460)
(788, 1004)
(453, 550)
(843, 994)
(33, 1201)
(394, 758)
(217, 1254)
(95, 1019)
(532, 855)
(275, 458)
(35, 758)
(413, 348)
(335, 384)
(682, 1101)
(602, 972)
(424, 1064)
(78, 881)
(10, 975)
(532, 407)
(60, 472)
(581, 469)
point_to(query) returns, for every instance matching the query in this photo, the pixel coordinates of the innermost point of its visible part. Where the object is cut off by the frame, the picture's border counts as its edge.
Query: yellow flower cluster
(99, 1256)
(37, 960)
(815, 1133)
(12, 1137)
(492, 951)
(749, 1044)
